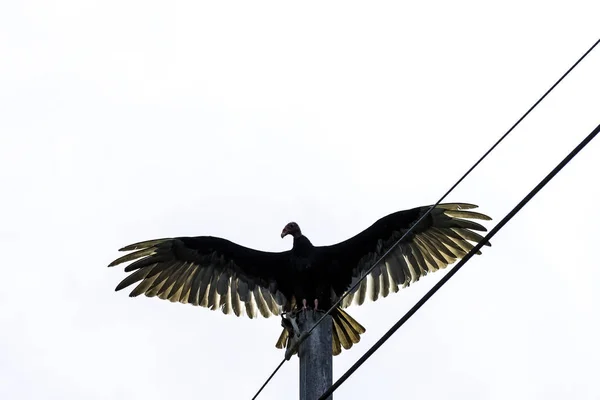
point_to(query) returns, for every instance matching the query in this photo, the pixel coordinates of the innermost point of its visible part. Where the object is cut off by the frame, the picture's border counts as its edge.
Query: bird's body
(308, 273)
(218, 274)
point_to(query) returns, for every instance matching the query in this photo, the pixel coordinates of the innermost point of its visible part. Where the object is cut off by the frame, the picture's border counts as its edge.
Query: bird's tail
(345, 332)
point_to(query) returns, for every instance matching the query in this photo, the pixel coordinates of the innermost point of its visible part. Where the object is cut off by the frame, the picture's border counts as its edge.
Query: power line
(451, 189)
(269, 379)
(333, 307)
(458, 266)
(448, 192)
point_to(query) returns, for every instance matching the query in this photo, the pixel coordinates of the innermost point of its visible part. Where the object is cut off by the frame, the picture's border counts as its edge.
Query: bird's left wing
(207, 271)
(437, 241)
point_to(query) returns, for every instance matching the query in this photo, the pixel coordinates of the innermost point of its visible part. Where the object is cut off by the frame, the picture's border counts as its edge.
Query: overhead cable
(458, 266)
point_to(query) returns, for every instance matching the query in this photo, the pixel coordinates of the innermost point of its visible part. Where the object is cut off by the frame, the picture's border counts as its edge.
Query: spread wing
(210, 272)
(440, 239)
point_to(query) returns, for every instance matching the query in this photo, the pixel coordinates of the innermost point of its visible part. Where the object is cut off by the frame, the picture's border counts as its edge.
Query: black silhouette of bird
(218, 274)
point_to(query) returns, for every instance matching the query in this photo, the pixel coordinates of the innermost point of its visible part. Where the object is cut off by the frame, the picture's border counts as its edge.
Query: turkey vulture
(221, 275)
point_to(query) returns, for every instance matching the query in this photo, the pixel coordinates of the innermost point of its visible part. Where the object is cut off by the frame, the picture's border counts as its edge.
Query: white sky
(123, 121)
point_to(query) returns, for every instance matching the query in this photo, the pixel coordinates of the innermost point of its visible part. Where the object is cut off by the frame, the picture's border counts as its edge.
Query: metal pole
(316, 360)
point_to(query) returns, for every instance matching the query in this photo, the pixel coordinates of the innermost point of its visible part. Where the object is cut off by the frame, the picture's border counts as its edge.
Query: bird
(218, 274)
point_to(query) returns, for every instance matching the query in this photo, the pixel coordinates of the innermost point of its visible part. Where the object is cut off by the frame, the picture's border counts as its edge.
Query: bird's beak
(284, 233)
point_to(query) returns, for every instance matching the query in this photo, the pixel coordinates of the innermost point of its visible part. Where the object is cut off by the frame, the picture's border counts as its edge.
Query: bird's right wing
(207, 271)
(437, 240)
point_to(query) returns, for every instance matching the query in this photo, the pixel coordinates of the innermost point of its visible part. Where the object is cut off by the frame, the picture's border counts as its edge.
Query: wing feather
(187, 286)
(177, 269)
(393, 277)
(135, 277)
(250, 306)
(438, 247)
(261, 303)
(362, 292)
(425, 249)
(452, 246)
(226, 302)
(177, 290)
(160, 281)
(412, 264)
(433, 250)
(375, 287)
(455, 206)
(236, 304)
(414, 249)
(212, 296)
(203, 288)
(143, 286)
(384, 281)
(402, 266)
(470, 235)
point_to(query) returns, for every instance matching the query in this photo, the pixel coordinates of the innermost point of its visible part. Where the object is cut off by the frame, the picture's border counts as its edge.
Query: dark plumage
(218, 274)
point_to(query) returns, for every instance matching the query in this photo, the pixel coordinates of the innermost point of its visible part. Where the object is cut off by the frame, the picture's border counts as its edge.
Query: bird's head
(291, 229)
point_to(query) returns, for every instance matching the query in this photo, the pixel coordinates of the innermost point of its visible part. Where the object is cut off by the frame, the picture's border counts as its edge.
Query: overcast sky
(123, 121)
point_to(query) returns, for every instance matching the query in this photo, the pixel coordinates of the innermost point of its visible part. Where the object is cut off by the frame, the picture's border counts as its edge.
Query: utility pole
(316, 360)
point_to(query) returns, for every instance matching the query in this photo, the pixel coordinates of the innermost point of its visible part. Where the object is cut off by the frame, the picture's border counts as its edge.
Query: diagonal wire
(448, 192)
(452, 188)
(351, 289)
(269, 378)
(458, 266)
